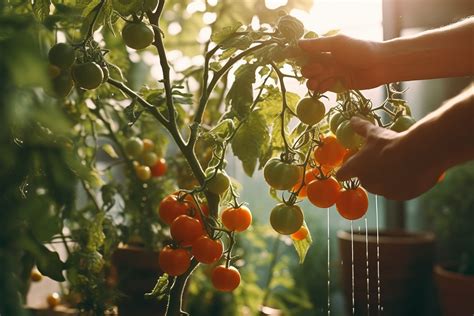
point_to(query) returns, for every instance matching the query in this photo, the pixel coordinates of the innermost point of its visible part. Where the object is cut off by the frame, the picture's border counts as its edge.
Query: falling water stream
(329, 271)
(352, 272)
(378, 254)
(367, 265)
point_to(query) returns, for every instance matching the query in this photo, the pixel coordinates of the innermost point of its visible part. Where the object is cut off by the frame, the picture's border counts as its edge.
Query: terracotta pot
(406, 265)
(135, 271)
(456, 292)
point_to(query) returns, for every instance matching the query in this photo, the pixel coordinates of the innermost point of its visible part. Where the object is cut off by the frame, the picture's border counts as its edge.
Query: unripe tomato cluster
(191, 238)
(316, 180)
(65, 71)
(146, 161)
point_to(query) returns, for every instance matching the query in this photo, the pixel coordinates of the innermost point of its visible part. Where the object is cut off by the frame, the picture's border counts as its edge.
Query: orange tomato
(186, 229)
(159, 168)
(301, 234)
(174, 261)
(225, 279)
(323, 193)
(237, 219)
(170, 208)
(207, 250)
(330, 153)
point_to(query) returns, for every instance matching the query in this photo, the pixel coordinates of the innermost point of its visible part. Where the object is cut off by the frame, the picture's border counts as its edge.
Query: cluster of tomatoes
(65, 70)
(318, 183)
(146, 161)
(194, 235)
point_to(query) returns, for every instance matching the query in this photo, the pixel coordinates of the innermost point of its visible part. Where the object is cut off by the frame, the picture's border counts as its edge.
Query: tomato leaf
(250, 141)
(240, 95)
(225, 33)
(160, 290)
(302, 246)
(41, 9)
(47, 261)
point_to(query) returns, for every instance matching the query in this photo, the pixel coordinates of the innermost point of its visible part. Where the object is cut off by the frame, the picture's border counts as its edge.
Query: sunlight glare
(273, 4)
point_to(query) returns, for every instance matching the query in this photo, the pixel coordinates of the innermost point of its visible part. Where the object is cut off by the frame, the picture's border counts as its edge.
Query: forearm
(440, 53)
(445, 137)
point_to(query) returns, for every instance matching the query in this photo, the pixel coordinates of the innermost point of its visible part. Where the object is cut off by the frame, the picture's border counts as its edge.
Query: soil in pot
(406, 264)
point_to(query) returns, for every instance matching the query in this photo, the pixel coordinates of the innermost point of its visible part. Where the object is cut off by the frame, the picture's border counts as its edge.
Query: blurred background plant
(449, 211)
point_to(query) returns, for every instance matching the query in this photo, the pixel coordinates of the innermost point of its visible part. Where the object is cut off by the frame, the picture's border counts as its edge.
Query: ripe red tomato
(207, 250)
(330, 153)
(225, 279)
(186, 229)
(237, 219)
(171, 207)
(324, 193)
(353, 203)
(174, 261)
(159, 168)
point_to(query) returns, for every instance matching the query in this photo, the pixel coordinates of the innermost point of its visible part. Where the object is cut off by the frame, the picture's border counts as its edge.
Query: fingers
(350, 169)
(362, 127)
(318, 45)
(321, 85)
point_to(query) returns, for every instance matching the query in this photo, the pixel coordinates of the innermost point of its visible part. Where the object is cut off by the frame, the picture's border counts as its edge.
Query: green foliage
(449, 207)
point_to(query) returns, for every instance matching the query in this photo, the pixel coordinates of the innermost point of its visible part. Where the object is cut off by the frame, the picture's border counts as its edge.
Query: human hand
(390, 163)
(353, 62)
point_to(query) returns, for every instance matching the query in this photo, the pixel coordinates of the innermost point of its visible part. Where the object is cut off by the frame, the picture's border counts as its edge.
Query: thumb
(361, 126)
(317, 45)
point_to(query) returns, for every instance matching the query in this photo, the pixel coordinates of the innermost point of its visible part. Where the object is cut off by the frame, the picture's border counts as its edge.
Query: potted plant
(449, 210)
(399, 269)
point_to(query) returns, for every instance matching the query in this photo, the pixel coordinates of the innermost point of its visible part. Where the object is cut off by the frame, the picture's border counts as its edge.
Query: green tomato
(402, 123)
(347, 137)
(219, 183)
(62, 55)
(310, 111)
(286, 219)
(290, 27)
(134, 147)
(336, 119)
(88, 75)
(137, 35)
(62, 84)
(281, 175)
(149, 158)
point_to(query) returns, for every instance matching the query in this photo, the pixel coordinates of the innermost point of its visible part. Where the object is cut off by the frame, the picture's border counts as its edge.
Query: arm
(358, 64)
(404, 165)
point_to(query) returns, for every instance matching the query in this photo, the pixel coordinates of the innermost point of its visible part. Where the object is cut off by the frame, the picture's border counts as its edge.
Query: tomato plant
(113, 104)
